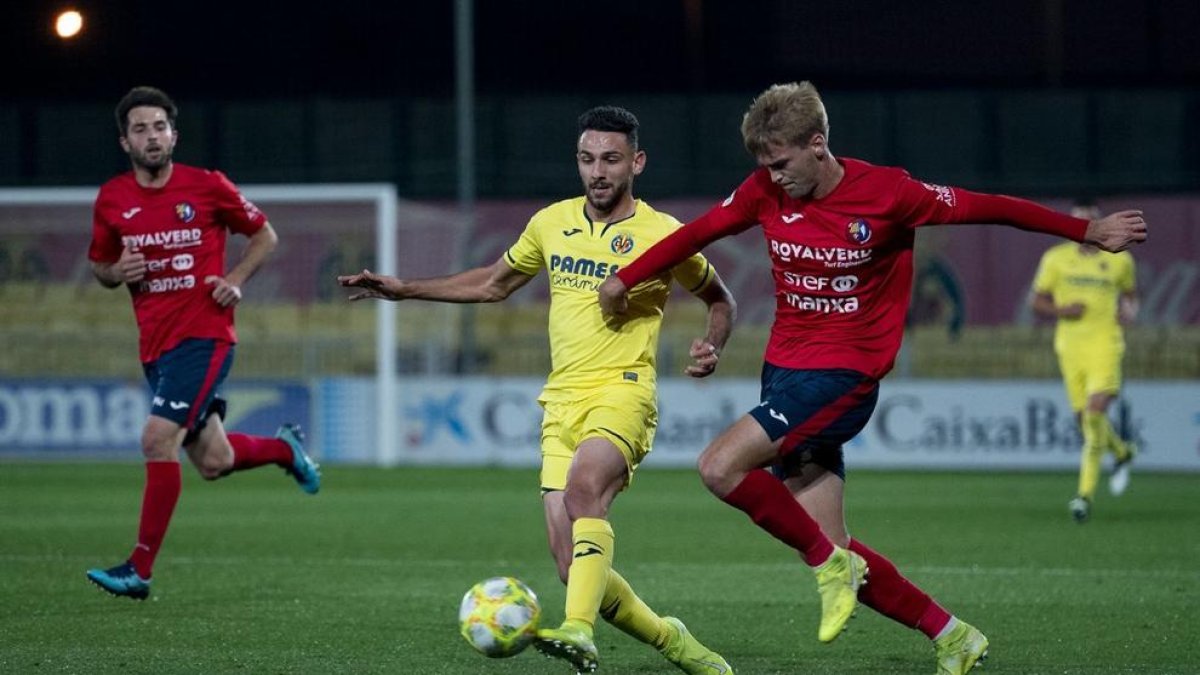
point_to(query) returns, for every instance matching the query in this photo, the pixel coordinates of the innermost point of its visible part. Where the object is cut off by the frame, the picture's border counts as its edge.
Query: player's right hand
(705, 356)
(131, 266)
(378, 286)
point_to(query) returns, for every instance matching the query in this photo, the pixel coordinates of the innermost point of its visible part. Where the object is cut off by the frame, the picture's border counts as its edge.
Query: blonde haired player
(1090, 293)
(599, 400)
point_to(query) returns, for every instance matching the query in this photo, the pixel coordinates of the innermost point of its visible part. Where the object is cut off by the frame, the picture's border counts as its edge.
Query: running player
(160, 230)
(1090, 293)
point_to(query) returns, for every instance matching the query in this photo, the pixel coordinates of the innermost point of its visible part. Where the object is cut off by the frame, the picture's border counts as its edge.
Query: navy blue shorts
(814, 412)
(186, 381)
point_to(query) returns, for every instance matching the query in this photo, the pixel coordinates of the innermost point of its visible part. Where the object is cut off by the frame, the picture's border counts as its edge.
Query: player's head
(608, 156)
(146, 123)
(1086, 209)
(787, 130)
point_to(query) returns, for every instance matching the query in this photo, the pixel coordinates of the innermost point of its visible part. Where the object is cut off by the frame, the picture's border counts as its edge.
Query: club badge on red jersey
(859, 231)
(622, 243)
(185, 212)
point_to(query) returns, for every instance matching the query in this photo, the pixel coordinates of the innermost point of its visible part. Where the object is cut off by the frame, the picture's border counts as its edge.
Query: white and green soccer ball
(499, 616)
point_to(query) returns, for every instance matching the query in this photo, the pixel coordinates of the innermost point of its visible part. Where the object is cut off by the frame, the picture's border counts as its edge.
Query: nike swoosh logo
(792, 218)
(567, 233)
(778, 415)
(131, 212)
(178, 405)
(589, 551)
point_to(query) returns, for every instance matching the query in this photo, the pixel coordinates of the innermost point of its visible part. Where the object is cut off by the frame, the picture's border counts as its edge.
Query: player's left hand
(614, 297)
(225, 293)
(705, 355)
(1117, 231)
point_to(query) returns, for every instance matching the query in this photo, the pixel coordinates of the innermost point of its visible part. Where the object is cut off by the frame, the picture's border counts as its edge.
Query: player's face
(795, 168)
(149, 138)
(607, 165)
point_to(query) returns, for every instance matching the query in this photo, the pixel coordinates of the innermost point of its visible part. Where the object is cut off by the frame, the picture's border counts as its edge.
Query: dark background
(265, 49)
(1036, 97)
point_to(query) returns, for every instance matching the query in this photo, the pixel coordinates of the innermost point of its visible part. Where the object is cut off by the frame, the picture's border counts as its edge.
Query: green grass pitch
(256, 577)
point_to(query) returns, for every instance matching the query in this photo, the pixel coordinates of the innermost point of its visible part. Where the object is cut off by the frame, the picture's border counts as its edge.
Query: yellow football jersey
(1097, 281)
(585, 351)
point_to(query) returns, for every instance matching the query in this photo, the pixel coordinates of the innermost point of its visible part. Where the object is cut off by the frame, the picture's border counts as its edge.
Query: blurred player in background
(160, 230)
(840, 239)
(600, 411)
(1090, 293)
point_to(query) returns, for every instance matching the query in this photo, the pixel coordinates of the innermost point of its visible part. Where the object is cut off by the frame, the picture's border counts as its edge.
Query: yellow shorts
(1087, 372)
(626, 415)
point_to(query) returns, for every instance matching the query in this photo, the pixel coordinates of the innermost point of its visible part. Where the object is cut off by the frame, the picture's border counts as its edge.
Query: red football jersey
(842, 264)
(181, 229)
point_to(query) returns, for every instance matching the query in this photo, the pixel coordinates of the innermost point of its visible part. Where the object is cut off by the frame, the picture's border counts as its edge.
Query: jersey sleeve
(694, 273)
(1046, 276)
(736, 214)
(918, 203)
(525, 256)
(233, 210)
(106, 243)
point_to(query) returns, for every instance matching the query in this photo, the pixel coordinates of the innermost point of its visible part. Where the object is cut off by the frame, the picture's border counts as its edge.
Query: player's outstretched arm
(722, 311)
(1117, 231)
(481, 284)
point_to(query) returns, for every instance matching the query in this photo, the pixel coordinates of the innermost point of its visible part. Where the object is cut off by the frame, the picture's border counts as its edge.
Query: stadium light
(68, 24)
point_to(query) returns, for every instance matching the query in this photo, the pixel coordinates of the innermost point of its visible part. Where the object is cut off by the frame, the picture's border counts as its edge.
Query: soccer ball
(499, 616)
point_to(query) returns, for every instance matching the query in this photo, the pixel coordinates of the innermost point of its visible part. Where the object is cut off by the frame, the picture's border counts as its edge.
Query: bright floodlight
(68, 24)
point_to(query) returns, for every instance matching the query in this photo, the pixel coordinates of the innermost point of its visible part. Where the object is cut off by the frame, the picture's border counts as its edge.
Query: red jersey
(181, 229)
(842, 264)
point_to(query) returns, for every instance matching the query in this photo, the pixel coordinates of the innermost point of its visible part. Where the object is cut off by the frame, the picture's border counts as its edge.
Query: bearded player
(599, 400)
(160, 231)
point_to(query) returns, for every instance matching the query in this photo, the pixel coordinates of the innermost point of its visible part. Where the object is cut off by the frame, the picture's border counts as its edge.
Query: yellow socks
(1113, 441)
(591, 564)
(1096, 432)
(624, 609)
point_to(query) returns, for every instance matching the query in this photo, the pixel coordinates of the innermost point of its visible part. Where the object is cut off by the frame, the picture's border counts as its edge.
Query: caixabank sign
(917, 424)
(102, 417)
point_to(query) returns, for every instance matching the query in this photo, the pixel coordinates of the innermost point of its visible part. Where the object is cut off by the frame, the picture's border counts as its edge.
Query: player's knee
(158, 448)
(714, 473)
(211, 472)
(214, 464)
(584, 500)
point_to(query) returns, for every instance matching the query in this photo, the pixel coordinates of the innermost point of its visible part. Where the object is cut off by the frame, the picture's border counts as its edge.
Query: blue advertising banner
(45, 418)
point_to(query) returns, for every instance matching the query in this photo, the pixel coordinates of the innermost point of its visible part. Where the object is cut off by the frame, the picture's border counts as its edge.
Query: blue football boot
(306, 472)
(121, 581)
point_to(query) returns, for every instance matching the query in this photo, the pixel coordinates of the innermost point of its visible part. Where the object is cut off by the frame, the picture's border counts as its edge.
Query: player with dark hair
(839, 235)
(1090, 294)
(160, 230)
(599, 404)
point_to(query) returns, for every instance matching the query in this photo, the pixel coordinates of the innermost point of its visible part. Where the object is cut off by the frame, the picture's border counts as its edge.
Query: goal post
(61, 325)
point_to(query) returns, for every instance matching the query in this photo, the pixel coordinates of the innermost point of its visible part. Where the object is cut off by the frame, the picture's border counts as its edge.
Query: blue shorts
(186, 380)
(814, 412)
